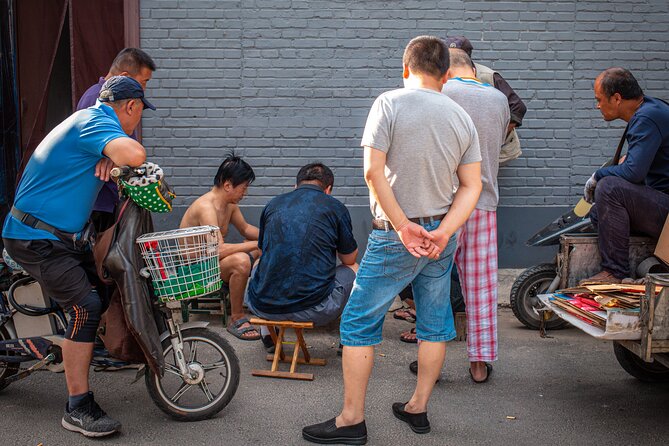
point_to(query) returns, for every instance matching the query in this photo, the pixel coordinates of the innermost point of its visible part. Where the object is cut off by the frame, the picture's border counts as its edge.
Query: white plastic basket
(183, 263)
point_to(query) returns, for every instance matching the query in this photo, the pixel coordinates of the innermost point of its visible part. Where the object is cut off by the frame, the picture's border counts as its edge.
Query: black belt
(385, 225)
(34, 222)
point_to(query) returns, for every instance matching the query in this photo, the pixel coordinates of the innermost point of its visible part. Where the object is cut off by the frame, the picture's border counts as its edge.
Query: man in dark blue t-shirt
(301, 235)
(632, 196)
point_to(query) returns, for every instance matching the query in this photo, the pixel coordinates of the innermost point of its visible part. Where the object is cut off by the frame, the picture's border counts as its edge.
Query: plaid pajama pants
(476, 260)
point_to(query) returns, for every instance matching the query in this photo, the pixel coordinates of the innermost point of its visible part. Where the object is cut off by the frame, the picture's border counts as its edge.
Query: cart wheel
(7, 369)
(215, 380)
(650, 372)
(532, 282)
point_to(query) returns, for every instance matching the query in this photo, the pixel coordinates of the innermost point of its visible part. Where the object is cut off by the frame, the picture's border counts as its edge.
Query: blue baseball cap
(461, 43)
(117, 88)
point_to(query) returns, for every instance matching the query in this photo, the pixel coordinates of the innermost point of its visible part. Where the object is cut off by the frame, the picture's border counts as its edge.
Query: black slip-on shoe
(418, 422)
(328, 433)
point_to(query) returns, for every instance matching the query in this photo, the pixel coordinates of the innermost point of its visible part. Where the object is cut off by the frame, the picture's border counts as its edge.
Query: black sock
(75, 401)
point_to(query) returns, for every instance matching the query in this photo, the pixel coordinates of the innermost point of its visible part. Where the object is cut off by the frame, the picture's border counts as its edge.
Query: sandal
(238, 332)
(409, 336)
(488, 368)
(405, 314)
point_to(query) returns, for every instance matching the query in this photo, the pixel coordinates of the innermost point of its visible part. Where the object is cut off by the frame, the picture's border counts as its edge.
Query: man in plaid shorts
(476, 255)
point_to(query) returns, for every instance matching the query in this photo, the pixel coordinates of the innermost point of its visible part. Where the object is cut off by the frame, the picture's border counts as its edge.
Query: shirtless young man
(218, 207)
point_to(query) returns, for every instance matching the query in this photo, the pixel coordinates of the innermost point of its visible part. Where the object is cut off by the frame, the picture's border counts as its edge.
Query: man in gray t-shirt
(431, 135)
(417, 142)
(476, 255)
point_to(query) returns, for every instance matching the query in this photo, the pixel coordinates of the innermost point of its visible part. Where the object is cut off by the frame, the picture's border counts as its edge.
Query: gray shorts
(326, 310)
(65, 273)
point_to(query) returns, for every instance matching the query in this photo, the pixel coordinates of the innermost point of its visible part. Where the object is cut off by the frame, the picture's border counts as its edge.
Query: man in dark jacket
(511, 148)
(632, 196)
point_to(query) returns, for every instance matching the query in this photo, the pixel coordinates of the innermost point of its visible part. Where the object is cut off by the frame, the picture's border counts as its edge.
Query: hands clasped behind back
(422, 243)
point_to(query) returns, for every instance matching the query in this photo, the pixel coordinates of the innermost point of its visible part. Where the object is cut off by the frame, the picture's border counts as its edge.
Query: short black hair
(131, 60)
(619, 80)
(427, 55)
(235, 170)
(316, 172)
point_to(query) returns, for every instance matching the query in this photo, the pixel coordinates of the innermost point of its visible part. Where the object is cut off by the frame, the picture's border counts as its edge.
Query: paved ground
(566, 390)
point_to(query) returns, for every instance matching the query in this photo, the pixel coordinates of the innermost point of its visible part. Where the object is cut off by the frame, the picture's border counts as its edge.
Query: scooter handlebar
(127, 171)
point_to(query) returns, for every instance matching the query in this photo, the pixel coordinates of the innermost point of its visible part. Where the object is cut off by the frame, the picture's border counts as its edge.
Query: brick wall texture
(283, 83)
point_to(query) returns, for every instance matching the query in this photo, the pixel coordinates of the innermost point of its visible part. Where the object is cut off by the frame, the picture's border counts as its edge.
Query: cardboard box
(662, 248)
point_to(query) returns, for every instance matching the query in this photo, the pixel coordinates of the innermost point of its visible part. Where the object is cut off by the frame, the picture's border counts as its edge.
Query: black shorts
(65, 273)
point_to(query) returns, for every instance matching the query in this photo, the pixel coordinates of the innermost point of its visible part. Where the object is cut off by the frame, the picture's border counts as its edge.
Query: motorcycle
(198, 371)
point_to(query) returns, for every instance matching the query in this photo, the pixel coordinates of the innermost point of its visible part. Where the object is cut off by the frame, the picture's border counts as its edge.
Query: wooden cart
(646, 357)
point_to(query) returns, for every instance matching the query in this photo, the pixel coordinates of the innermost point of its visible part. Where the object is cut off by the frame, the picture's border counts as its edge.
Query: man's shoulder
(335, 204)
(89, 97)
(655, 112)
(657, 108)
(201, 202)
(461, 90)
(409, 94)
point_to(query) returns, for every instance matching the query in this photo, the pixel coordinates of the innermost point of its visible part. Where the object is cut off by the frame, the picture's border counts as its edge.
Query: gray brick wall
(286, 82)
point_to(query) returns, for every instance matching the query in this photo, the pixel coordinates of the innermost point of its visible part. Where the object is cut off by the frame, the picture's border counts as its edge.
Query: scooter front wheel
(524, 301)
(213, 381)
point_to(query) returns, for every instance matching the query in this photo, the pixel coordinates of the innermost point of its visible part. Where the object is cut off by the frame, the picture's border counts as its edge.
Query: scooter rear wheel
(532, 282)
(650, 372)
(7, 369)
(215, 366)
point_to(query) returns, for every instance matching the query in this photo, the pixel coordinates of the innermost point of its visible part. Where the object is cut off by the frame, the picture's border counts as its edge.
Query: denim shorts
(386, 269)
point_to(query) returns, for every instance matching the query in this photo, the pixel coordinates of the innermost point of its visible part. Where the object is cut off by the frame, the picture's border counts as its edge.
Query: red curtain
(97, 33)
(39, 24)
(96, 36)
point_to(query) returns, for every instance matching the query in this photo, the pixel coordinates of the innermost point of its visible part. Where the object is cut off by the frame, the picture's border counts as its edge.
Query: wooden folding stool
(279, 355)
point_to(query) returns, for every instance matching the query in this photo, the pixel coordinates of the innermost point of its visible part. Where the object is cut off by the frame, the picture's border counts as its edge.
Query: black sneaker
(418, 422)
(89, 419)
(328, 433)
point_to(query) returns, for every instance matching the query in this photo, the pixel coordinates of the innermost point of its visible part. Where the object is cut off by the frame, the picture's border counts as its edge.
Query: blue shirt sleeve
(346, 243)
(97, 132)
(643, 141)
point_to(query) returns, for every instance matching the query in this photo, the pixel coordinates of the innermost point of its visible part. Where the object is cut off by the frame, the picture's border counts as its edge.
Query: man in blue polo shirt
(301, 235)
(632, 196)
(45, 231)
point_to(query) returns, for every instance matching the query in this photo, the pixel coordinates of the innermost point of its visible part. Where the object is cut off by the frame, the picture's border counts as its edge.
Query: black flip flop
(488, 368)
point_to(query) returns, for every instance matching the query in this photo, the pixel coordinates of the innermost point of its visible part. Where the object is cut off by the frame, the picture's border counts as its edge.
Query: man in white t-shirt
(417, 144)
